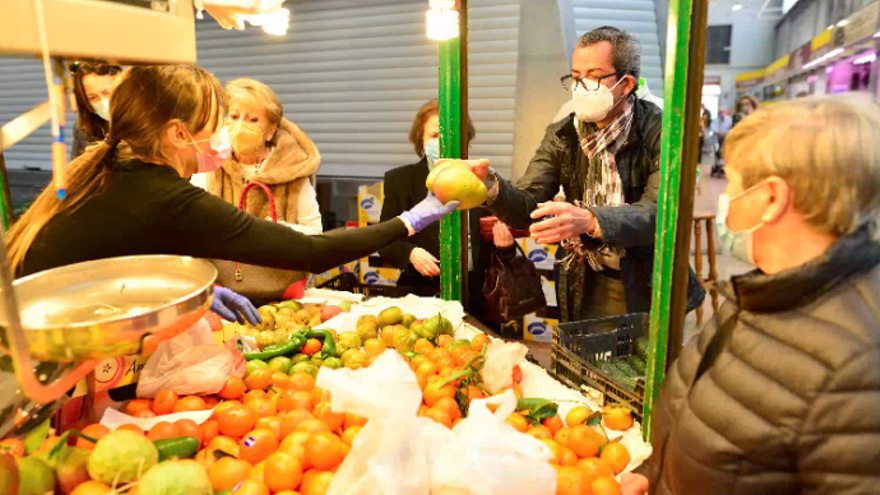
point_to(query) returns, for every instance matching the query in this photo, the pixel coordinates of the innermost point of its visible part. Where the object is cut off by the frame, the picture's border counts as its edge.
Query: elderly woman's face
(240, 112)
(432, 128)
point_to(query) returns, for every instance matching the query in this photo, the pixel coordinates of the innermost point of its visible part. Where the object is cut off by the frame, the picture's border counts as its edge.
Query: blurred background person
(745, 106)
(92, 87)
(780, 392)
(269, 149)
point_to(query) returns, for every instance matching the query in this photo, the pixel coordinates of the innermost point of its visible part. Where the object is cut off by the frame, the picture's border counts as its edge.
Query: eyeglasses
(588, 83)
(99, 69)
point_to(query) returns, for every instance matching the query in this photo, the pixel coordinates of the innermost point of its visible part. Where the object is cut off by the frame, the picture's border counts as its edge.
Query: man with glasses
(606, 157)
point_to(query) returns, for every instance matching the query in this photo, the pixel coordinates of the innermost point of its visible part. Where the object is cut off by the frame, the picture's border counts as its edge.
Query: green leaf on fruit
(594, 420)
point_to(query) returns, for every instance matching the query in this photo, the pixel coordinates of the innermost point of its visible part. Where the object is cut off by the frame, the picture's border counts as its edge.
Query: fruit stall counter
(310, 377)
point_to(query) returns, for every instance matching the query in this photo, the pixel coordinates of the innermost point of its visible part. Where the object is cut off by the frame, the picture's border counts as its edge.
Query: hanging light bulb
(274, 23)
(442, 20)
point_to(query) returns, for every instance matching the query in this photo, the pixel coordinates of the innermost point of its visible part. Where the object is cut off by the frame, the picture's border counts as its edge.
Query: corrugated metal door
(353, 74)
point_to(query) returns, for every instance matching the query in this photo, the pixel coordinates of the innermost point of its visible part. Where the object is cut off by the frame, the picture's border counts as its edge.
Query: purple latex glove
(234, 307)
(428, 211)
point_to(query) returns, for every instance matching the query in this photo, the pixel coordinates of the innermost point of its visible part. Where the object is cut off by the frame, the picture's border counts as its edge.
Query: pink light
(813, 79)
(865, 59)
(829, 70)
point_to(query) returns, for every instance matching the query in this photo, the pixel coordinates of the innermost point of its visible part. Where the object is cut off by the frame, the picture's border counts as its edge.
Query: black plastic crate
(579, 346)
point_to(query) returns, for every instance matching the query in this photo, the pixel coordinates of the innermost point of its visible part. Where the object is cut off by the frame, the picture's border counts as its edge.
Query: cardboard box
(543, 255)
(538, 329)
(373, 275)
(549, 290)
(370, 199)
(352, 267)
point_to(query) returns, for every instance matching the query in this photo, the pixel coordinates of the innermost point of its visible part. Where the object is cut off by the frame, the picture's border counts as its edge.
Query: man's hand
(501, 235)
(425, 262)
(568, 221)
(480, 168)
(633, 484)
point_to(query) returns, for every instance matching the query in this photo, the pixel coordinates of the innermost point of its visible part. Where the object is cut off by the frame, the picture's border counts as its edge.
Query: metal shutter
(22, 87)
(634, 16)
(353, 74)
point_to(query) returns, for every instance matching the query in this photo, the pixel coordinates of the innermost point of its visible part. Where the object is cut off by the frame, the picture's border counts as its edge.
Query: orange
(293, 418)
(478, 342)
(594, 467)
(223, 406)
(433, 393)
(312, 426)
(440, 416)
(295, 445)
(252, 487)
(428, 368)
(271, 423)
(92, 488)
(458, 354)
(289, 400)
(350, 434)
(374, 347)
(555, 451)
(236, 421)
(209, 430)
(449, 405)
(311, 346)
(423, 346)
(164, 402)
(253, 395)
(561, 436)
(189, 403)
(422, 379)
(286, 472)
(224, 443)
(571, 481)
(95, 431)
(281, 381)
(567, 457)
(163, 430)
(387, 335)
(517, 421)
(319, 395)
(605, 485)
(439, 353)
(302, 381)
(444, 340)
(554, 424)
(257, 445)
(317, 483)
(258, 472)
(333, 419)
(228, 472)
(616, 455)
(324, 450)
(136, 405)
(584, 441)
(445, 362)
(211, 401)
(146, 413)
(12, 446)
(259, 379)
(617, 418)
(577, 415)
(134, 428)
(189, 428)
(541, 433)
(419, 360)
(352, 420)
(262, 407)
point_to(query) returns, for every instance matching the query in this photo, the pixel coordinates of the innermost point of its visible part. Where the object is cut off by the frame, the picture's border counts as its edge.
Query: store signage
(862, 24)
(800, 57)
(750, 79)
(708, 80)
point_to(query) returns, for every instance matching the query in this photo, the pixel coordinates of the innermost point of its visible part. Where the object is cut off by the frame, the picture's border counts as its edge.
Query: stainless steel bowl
(111, 307)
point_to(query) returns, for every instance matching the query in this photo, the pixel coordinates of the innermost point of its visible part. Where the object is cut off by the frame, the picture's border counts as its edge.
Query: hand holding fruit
(425, 262)
(234, 307)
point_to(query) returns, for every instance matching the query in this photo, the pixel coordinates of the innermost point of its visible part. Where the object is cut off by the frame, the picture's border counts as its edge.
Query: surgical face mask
(246, 138)
(218, 142)
(593, 106)
(102, 109)
(432, 151)
(741, 245)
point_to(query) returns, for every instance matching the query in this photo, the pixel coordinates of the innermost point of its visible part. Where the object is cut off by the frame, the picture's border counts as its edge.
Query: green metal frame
(678, 165)
(6, 209)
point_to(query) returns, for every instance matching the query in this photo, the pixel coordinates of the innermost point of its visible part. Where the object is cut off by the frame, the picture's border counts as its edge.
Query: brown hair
(86, 119)
(255, 93)
(145, 101)
(756, 105)
(417, 131)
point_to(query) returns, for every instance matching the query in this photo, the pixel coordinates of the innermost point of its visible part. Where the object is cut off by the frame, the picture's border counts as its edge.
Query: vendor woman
(130, 195)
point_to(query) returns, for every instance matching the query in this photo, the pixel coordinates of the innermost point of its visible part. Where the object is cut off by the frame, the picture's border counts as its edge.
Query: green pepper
(291, 346)
(180, 447)
(329, 347)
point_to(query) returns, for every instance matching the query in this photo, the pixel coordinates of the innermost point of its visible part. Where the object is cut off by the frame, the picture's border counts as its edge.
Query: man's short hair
(627, 52)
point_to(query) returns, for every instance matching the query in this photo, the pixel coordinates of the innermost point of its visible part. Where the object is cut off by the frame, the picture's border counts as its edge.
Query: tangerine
(584, 441)
(228, 472)
(188, 404)
(259, 379)
(130, 427)
(236, 421)
(209, 430)
(136, 405)
(211, 401)
(433, 392)
(577, 415)
(164, 402)
(423, 347)
(253, 395)
(312, 346)
(571, 481)
(324, 450)
(449, 405)
(144, 414)
(251, 486)
(263, 407)
(617, 418)
(292, 419)
(518, 421)
(594, 467)
(286, 472)
(163, 430)
(271, 423)
(568, 457)
(605, 485)
(302, 381)
(444, 340)
(478, 342)
(541, 433)
(555, 451)
(349, 435)
(440, 416)
(224, 444)
(312, 426)
(189, 428)
(95, 431)
(616, 455)
(320, 395)
(561, 436)
(553, 423)
(318, 482)
(256, 446)
(324, 412)
(352, 420)
(289, 400)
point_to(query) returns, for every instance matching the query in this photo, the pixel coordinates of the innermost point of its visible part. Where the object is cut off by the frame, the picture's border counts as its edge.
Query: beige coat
(293, 161)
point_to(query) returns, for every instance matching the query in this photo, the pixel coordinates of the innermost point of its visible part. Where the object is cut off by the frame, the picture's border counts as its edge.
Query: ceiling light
(842, 23)
(865, 59)
(442, 20)
(737, 7)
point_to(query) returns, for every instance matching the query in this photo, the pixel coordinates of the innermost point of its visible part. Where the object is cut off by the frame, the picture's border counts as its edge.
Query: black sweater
(150, 209)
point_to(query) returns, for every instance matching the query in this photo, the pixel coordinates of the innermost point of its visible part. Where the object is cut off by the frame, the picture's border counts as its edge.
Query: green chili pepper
(291, 346)
(329, 348)
(180, 447)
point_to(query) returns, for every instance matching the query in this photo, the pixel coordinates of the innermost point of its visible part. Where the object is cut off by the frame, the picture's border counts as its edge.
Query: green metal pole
(5, 200)
(678, 164)
(450, 147)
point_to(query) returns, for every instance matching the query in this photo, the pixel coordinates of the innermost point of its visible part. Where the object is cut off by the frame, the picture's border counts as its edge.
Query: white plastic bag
(189, 364)
(501, 357)
(487, 456)
(393, 454)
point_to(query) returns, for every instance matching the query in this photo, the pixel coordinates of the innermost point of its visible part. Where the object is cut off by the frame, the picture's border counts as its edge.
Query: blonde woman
(269, 149)
(780, 392)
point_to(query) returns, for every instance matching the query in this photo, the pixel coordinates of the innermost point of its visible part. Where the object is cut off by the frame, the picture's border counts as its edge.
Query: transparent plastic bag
(189, 364)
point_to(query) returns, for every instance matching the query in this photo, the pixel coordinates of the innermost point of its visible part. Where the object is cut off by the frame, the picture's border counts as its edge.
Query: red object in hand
(488, 223)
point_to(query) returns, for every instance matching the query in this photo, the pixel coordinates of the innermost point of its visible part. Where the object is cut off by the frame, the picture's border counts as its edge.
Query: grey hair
(626, 56)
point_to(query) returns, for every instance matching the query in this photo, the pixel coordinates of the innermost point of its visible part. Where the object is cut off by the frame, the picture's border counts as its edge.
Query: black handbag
(512, 288)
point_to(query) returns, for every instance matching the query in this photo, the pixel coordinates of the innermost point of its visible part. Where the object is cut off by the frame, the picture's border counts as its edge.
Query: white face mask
(593, 106)
(102, 109)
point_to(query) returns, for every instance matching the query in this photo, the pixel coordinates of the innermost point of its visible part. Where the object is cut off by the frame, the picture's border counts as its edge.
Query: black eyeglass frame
(568, 78)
